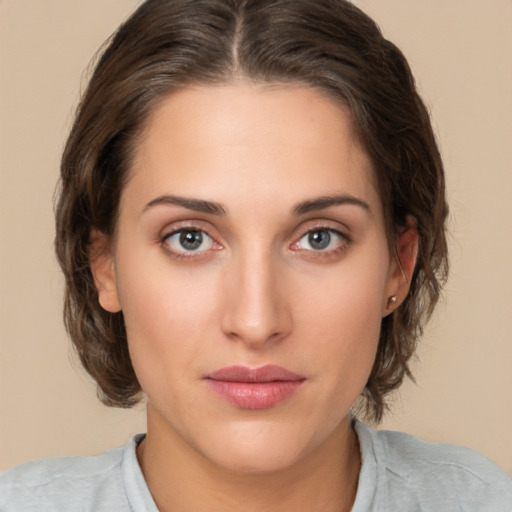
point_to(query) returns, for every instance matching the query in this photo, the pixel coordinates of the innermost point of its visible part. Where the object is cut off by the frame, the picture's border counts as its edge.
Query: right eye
(188, 240)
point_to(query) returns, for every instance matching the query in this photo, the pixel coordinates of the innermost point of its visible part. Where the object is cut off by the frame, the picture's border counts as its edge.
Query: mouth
(254, 388)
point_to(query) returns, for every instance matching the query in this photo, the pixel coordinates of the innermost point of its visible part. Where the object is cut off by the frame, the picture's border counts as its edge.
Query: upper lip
(267, 373)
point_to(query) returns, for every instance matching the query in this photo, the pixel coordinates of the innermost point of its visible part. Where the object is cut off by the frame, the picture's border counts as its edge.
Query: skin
(256, 291)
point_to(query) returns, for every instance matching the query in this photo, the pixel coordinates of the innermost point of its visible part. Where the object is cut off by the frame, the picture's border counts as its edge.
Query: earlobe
(402, 265)
(103, 271)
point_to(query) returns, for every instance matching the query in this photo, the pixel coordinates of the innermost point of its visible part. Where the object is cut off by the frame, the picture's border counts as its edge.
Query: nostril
(271, 325)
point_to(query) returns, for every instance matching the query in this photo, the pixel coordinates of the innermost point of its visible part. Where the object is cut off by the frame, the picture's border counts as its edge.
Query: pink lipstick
(254, 388)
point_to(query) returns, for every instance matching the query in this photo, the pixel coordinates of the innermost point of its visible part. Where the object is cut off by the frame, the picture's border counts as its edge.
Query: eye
(321, 240)
(188, 240)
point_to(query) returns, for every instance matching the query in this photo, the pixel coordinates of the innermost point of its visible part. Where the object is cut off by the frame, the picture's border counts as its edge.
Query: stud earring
(392, 299)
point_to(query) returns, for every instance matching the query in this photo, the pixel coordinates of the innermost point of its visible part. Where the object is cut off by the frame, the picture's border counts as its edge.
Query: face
(253, 270)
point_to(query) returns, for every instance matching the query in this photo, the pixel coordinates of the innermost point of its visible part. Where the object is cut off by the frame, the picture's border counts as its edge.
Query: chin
(255, 460)
(257, 448)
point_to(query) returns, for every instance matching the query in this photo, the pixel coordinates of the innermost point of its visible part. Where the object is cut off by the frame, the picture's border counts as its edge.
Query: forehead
(250, 141)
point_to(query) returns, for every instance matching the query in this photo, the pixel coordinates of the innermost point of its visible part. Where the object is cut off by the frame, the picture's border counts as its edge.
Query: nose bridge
(256, 310)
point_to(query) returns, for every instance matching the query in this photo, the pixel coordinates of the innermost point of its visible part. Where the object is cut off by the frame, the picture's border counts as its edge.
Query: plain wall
(460, 52)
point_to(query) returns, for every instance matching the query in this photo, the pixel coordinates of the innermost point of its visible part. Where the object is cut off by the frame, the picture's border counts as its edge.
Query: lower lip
(254, 395)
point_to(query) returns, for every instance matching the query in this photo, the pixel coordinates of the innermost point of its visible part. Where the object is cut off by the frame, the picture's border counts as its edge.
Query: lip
(254, 388)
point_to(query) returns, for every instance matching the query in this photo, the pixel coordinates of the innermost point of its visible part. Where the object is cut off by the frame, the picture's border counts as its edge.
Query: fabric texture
(398, 473)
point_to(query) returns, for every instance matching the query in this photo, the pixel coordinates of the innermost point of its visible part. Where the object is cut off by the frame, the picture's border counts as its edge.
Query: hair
(328, 45)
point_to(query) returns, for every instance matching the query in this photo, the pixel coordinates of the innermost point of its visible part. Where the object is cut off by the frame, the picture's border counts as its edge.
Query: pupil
(319, 239)
(191, 240)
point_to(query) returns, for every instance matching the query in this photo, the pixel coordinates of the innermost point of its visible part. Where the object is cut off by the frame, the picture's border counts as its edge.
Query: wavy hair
(329, 45)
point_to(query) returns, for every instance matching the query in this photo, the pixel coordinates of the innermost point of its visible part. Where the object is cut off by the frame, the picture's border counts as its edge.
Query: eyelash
(341, 245)
(184, 254)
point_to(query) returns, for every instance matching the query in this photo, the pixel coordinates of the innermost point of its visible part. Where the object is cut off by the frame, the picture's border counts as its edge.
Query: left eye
(321, 240)
(189, 240)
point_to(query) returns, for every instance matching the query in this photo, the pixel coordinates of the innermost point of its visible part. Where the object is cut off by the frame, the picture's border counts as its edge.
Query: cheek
(341, 317)
(346, 334)
(347, 297)
(167, 313)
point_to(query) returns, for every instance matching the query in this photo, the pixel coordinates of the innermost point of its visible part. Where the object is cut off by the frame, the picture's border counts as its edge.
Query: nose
(256, 310)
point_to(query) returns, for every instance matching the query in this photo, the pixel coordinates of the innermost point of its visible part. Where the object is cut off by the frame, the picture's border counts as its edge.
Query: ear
(102, 267)
(402, 266)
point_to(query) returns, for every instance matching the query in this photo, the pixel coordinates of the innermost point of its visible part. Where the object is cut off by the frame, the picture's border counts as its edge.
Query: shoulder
(437, 476)
(66, 483)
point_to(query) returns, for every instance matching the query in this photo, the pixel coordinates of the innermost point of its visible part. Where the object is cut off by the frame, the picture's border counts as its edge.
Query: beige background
(460, 51)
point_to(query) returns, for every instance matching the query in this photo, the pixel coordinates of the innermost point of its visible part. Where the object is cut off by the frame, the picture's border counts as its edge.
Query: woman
(251, 223)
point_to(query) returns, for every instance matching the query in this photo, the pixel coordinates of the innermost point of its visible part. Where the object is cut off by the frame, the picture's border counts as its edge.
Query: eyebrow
(200, 205)
(320, 203)
(197, 205)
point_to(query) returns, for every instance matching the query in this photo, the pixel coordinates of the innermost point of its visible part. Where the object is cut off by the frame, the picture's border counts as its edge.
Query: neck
(181, 479)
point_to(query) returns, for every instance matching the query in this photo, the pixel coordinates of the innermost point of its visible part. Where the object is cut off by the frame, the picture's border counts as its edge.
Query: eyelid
(182, 225)
(319, 224)
(322, 225)
(330, 230)
(189, 230)
(189, 225)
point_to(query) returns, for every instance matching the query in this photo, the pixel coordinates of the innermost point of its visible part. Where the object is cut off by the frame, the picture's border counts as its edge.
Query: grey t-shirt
(399, 473)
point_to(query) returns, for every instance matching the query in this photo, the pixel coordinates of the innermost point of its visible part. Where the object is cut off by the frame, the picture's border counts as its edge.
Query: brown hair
(329, 45)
